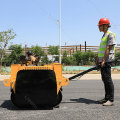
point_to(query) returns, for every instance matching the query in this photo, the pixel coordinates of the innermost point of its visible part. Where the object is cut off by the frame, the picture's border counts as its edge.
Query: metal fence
(72, 48)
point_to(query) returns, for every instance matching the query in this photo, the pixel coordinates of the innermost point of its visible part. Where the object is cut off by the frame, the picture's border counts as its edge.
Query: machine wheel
(59, 99)
(14, 100)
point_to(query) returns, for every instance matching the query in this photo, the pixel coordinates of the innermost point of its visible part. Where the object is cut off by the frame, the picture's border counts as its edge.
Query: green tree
(89, 58)
(44, 60)
(70, 60)
(6, 60)
(14, 57)
(5, 37)
(64, 58)
(54, 50)
(78, 57)
(37, 50)
(85, 58)
(117, 58)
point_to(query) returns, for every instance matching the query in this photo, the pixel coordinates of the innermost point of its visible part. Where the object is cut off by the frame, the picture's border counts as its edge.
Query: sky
(35, 22)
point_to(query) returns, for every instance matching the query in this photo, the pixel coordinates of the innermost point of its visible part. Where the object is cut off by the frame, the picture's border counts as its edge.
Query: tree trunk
(1, 57)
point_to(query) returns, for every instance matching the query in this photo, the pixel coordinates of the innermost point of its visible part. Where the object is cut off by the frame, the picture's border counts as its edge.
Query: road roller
(38, 86)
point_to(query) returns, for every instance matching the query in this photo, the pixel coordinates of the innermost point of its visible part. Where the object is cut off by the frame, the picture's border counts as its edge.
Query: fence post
(25, 50)
(85, 46)
(70, 52)
(73, 50)
(76, 48)
(80, 47)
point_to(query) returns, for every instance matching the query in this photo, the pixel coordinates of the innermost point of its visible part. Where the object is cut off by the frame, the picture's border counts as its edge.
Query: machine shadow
(9, 105)
(84, 100)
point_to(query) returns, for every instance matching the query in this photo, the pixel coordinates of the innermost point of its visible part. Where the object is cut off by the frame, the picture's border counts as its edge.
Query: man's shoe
(102, 101)
(108, 103)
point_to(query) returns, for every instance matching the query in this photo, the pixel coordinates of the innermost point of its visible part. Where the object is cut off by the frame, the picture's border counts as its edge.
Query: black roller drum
(35, 87)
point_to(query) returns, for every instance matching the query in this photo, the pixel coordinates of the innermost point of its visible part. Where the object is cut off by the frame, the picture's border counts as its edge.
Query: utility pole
(60, 31)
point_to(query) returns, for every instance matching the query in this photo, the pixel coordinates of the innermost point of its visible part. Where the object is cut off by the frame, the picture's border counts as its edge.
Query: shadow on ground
(9, 105)
(84, 100)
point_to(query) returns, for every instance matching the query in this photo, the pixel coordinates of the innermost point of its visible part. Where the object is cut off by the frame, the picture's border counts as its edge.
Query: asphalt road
(79, 103)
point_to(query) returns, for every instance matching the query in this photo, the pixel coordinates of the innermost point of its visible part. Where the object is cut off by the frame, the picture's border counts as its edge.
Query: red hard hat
(103, 21)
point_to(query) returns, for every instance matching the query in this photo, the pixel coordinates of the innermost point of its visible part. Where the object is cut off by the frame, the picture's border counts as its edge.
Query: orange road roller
(36, 86)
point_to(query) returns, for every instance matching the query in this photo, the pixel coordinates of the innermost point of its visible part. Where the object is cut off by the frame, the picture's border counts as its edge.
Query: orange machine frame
(56, 67)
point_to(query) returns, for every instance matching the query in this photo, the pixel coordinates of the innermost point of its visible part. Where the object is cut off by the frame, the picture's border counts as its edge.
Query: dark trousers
(107, 80)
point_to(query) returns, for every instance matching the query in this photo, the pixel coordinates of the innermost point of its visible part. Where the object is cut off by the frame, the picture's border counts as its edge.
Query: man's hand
(102, 64)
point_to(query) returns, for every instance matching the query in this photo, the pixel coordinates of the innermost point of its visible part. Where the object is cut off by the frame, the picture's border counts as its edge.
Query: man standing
(106, 55)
